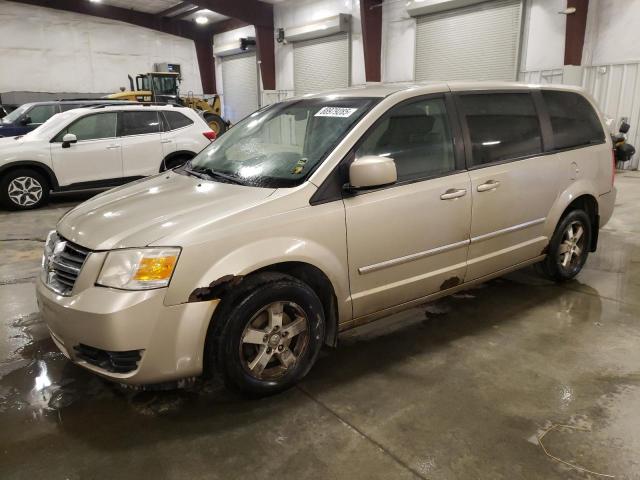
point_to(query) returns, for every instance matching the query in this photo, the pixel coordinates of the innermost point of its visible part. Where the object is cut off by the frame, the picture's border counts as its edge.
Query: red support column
(204, 51)
(265, 43)
(576, 27)
(371, 20)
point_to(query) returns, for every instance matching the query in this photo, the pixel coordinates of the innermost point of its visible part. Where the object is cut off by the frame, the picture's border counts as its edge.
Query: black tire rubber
(222, 355)
(551, 266)
(216, 123)
(7, 178)
(173, 162)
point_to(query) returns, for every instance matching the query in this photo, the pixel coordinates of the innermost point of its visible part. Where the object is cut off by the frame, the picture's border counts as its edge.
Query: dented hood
(143, 212)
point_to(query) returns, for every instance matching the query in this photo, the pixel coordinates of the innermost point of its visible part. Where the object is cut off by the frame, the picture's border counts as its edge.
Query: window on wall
(92, 127)
(416, 136)
(502, 126)
(573, 120)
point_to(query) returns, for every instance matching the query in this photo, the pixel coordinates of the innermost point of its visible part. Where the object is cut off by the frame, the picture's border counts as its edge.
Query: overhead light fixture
(95, 1)
(201, 20)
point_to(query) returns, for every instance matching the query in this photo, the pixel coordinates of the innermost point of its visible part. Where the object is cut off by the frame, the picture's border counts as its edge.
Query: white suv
(97, 147)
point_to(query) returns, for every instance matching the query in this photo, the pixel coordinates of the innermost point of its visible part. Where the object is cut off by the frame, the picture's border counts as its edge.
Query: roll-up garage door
(473, 43)
(239, 86)
(321, 63)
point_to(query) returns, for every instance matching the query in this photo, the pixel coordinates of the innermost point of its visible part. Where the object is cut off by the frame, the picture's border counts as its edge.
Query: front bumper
(170, 339)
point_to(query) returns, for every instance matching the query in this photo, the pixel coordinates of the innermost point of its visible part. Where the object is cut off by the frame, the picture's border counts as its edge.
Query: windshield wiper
(217, 175)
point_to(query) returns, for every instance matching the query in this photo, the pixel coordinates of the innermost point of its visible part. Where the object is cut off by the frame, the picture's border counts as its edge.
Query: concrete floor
(457, 389)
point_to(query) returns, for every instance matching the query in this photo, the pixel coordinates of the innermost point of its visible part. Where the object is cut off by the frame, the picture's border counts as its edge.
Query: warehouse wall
(46, 50)
(612, 33)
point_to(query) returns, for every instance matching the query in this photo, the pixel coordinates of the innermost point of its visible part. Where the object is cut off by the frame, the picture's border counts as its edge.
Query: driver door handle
(453, 193)
(490, 185)
(111, 147)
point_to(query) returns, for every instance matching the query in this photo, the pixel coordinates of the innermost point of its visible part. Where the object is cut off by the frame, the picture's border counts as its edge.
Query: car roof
(385, 89)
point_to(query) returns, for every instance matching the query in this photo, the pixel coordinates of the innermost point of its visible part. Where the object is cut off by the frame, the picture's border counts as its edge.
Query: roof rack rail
(131, 104)
(97, 99)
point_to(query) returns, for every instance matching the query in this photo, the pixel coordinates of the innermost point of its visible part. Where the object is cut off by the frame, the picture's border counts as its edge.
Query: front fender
(260, 254)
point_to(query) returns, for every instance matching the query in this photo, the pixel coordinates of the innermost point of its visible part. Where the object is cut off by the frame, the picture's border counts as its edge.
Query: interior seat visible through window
(416, 136)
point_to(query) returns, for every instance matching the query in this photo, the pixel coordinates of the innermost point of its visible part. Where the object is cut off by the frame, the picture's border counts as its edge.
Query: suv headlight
(139, 268)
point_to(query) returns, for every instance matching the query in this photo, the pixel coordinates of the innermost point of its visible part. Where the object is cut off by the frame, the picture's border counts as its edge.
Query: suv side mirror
(372, 171)
(26, 120)
(68, 139)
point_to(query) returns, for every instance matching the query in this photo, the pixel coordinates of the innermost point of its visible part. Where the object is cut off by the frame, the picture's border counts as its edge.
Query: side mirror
(26, 120)
(68, 139)
(372, 171)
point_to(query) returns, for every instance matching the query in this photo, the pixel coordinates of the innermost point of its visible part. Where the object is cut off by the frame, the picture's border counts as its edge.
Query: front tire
(24, 189)
(569, 247)
(272, 335)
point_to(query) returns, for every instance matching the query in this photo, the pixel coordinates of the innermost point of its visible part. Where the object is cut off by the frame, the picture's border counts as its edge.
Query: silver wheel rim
(25, 191)
(572, 246)
(274, 340)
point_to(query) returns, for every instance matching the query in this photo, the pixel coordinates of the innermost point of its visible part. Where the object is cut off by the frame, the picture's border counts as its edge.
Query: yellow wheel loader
(163, 87)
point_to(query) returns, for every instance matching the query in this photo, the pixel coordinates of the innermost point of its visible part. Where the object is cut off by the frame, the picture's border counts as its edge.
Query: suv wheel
(23, 189)
(272, 335)
(569, 247)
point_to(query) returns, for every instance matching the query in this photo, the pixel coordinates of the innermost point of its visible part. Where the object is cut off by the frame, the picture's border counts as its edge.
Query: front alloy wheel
(25, 191)
(273, 340)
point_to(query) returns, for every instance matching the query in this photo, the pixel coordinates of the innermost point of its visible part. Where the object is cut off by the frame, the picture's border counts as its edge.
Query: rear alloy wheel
(23, 190)
(569, 247)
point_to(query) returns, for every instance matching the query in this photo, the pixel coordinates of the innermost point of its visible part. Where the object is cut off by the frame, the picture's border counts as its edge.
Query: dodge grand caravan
(319, 214)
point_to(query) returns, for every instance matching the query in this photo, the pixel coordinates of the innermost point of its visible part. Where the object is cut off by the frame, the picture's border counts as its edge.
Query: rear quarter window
(573, 120)
(176, 120)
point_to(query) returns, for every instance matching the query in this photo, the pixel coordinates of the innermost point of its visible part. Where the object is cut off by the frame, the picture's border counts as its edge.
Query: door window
(417, 136)
(41, 113)
(139, 123)
(573, 120)
(176, 120)
(91, 127)
(502, 126)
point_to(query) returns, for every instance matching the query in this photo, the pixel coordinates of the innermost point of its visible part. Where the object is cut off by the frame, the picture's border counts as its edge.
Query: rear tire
(215, 122)
(569, 247)
(269, 338)
(24, 189)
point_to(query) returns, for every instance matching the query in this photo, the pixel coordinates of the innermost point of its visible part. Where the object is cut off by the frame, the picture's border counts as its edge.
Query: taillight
(211, 135)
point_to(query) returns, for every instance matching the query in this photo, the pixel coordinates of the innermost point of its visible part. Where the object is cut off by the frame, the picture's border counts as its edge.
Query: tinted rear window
(138, 123)
(573, 120)
(177, 120)
(502, 126)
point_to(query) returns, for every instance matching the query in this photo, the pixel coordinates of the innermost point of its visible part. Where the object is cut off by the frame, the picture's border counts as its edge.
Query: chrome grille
(62, 263)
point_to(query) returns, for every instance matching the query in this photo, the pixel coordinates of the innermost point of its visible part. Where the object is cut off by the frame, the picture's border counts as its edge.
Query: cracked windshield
(280, 145)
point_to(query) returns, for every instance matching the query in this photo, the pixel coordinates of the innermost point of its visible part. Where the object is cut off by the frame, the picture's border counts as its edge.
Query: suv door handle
(166, 141)
(453, 193)
(111, 147)
(490, 185)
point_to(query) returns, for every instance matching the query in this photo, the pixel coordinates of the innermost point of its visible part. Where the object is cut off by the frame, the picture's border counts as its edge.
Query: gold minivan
(321, 213)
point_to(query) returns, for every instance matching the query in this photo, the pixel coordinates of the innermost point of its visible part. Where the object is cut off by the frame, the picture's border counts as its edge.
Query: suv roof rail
(132, 103)
(98, 99)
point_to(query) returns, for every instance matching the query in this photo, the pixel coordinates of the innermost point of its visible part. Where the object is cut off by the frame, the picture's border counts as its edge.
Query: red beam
(574, 36)
(266, 55)
(371, 19)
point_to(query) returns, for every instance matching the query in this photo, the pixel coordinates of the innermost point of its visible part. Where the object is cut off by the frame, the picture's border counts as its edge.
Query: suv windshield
(16, 114)
(280, 145)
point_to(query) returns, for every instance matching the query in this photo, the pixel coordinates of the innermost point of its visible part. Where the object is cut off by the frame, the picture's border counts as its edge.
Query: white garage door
(473, 43)
(239, 86)
(321, 64)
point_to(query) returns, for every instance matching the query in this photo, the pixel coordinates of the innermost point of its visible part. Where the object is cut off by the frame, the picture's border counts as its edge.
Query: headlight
(138, 269)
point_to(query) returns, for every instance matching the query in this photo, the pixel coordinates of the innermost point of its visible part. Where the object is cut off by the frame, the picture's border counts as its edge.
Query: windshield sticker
(299, 167)
(339, 112)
